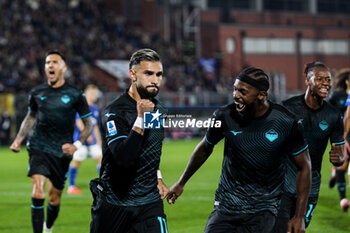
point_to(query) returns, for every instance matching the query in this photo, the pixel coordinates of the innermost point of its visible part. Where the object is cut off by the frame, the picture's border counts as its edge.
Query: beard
(144, 94)
(246, 116)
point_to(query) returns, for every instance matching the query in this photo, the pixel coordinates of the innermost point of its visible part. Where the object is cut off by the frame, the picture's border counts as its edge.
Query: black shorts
(261, 222)
(53, 167)
(287, 211)
(109, 218)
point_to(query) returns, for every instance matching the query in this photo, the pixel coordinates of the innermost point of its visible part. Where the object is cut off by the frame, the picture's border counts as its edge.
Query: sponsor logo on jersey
(236, 132)
(271, 135)
(109, 114)
(42, 98)
(323, 125)
(112, 130)
(65, 99)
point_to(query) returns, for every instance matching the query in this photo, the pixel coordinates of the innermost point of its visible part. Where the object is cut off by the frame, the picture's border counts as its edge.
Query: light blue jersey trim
(32, 111)
(206, 139)
(296, 153)
(339, 143)
(86, 115)
(116, 139)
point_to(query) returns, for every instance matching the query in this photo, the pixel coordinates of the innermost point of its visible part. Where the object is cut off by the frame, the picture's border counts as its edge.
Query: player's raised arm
(26, 127)
(303, 180)
(125, 146)
(200, 154)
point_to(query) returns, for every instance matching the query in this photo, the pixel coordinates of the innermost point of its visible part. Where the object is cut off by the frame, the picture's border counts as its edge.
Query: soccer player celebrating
(321, 122)
(52, 109)
(339, 98)
(259, 138)
(126, 197)
(92, 146)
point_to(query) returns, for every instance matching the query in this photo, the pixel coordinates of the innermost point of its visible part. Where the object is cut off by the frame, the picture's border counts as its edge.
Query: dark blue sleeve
(296, 141)
(214, 135)
(337, 135)
(82, 107)
(33, 106)
(123, 142)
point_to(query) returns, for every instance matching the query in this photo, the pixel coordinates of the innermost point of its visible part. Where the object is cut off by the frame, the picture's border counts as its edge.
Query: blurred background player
(92, 146)
(339, 98)
(321, 122)
(51, 112)
(259, 137)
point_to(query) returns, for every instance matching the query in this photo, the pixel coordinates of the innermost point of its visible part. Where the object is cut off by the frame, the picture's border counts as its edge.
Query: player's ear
(65, 68)
(132, 75)
(262, 95)
(307, 81)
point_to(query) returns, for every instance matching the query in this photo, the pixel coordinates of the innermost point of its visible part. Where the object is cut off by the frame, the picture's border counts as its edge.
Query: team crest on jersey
(271, 135)
(323, 125)
(65, 99)
(112, 130)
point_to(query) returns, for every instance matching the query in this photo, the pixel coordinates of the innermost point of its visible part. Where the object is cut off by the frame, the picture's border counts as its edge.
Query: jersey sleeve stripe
(296, 153)
(86, 115)
(339, 143)
(116, 139)
(206, 139)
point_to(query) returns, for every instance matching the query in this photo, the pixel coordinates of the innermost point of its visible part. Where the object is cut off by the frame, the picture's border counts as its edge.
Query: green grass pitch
(189, 214)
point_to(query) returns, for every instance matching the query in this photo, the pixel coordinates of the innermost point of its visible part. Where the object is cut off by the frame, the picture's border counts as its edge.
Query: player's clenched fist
(336, 155)
(144, 106)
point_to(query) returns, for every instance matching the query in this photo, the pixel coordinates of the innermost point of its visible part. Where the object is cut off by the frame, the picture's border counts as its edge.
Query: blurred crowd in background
(84, 32)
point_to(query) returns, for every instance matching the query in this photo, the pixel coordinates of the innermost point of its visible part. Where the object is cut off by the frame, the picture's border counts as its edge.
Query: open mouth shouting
(51, 74)
(240, 107)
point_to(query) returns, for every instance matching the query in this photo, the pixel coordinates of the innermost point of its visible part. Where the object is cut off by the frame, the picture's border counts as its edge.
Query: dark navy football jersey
(137, 185)
(338, 100)
(254, 158)
(319, 126)
(55, 110)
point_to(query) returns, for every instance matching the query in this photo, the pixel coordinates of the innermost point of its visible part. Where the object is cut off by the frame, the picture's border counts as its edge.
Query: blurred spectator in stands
(5, 127)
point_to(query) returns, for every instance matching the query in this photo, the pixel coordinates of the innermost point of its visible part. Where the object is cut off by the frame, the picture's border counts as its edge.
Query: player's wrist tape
(139, 122)
(78, 144)
(159, 174)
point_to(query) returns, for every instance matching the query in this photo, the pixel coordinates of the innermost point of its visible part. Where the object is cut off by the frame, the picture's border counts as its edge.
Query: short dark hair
(258, 74)
(143, 55)
(55, 51)
(310, 66)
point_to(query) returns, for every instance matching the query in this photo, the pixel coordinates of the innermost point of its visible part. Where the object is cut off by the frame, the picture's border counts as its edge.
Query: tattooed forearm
(87, 129)
(26, 126)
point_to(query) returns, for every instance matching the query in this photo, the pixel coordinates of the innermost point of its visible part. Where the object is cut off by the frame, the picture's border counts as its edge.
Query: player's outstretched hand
(336, 156)
(69, 148)
(296, 225)
(163, 189)
(144, 105)
(175, 191)
(15, 146)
